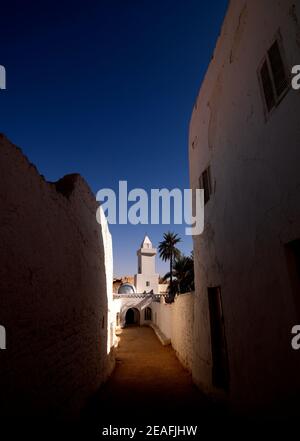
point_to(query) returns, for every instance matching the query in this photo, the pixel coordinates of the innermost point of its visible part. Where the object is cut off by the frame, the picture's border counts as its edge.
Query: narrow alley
(150, 220)
(148, 386)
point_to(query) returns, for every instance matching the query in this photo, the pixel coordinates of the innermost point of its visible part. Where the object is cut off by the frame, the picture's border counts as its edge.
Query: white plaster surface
(254, 209)
(53, 285)
(176, 322)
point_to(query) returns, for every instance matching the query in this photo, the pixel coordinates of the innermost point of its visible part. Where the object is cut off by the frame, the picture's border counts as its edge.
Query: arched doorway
(148, 313)
(132, 317)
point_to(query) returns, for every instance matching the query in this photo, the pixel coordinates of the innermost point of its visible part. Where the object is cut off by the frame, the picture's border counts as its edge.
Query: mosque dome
(126, 288)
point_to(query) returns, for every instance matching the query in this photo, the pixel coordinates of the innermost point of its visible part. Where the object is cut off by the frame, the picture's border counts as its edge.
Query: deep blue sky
(106, 89)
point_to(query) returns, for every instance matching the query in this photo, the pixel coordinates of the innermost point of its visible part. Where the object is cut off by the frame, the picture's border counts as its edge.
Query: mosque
(132, 302)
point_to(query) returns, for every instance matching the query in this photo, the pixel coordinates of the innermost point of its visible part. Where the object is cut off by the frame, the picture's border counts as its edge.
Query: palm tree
(183, 274)
(168, 251)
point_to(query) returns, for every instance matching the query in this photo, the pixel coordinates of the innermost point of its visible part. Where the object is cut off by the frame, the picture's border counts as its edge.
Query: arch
(148, 313)
(132, 317)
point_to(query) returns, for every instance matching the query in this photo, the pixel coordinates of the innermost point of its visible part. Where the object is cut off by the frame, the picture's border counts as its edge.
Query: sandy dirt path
(148, 385)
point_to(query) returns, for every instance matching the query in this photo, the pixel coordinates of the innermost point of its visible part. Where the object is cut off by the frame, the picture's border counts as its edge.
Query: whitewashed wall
(182, 328)
(55, 285)
(176, 322)
(162, 317)
(254, 209)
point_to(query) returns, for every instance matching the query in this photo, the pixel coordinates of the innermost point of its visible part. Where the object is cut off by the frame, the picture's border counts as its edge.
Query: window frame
(277, 98)
(209, 182)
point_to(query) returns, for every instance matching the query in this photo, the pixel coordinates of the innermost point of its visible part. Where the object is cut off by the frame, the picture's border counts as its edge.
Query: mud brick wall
(53, 293)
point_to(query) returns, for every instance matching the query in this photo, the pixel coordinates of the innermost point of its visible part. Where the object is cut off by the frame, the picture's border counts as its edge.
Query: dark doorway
(132, 317)
(148, 314)
(220, 370)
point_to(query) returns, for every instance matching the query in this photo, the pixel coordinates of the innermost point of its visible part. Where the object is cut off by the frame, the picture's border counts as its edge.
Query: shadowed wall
(245, 306)
(53, 300)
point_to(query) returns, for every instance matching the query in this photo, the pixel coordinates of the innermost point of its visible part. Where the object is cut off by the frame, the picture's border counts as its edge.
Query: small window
(267, 87)
(205, 184)
(147, 283)
(278, 69)
(273, 76)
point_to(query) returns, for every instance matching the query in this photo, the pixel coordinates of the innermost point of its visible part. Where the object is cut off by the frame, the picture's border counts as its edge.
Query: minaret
(146, 279)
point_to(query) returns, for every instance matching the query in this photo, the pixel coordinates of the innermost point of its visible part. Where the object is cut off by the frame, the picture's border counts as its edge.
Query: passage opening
(132, 317)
